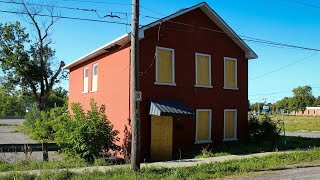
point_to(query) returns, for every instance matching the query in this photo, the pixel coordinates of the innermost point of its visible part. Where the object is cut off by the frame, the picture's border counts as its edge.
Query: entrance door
(161, 138)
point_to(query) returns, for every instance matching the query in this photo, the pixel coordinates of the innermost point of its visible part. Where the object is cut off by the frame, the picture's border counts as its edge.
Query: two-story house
(193, 79)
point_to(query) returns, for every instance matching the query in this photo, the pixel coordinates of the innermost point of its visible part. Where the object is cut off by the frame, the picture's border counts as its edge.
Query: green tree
(11, 103)
(283, 104)
(28, 62)
(302, 97)
(317, 101)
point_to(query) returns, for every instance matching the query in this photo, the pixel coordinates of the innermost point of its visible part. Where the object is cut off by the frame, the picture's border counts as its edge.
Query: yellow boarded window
(230, 124)
(85, 79)
(230, 68)
(203, 125)
(203, 70)
(95, 77)
(165, 67)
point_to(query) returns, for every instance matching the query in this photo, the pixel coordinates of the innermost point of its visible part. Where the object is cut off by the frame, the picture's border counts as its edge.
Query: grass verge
(234, 148)
(59, 164)
(298, 123)
(204, 171)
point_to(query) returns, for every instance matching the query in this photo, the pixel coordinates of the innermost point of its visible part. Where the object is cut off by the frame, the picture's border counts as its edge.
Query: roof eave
(98, 51)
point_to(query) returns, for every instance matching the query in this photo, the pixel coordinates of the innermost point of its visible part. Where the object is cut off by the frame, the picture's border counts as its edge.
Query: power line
(245, 38)
(281, 92)
(116, 3)
(98, 2)
(304, 4)
(112, 13)
(66, 17)
(285, 5)
(295, 62)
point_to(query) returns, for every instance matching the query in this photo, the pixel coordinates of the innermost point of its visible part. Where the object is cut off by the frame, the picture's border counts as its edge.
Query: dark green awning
(169, 108)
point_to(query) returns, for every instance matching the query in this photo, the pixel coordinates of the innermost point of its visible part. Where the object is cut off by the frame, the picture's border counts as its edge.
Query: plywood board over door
(161, 138)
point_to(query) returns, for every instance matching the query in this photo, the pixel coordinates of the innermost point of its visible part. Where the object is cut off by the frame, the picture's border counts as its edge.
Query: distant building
(309, 111)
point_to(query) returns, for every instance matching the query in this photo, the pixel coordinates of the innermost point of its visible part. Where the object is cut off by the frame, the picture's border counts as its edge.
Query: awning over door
(169, 108)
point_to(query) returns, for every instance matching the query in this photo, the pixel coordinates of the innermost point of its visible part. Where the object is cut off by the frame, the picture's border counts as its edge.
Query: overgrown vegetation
(87, 135)
(203, 171)
(263, 130)
(263, 137)
(67, 162)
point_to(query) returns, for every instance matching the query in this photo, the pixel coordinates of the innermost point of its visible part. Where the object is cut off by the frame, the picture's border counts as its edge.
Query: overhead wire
(290, 7)
(304, 4)
(280, 92)
(67, 17)
(111, 15)
(245, 38)
(278, 69)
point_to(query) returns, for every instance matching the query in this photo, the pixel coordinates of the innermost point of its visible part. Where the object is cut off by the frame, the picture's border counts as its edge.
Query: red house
(193, 78)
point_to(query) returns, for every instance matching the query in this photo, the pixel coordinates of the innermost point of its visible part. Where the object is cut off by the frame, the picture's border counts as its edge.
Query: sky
(271, 77)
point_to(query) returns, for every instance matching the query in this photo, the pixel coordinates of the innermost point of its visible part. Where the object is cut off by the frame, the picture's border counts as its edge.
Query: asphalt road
(304, 134)
(10, 135)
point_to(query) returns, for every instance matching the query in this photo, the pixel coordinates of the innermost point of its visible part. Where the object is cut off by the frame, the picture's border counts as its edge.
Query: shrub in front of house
(87, 135)
(264, 129)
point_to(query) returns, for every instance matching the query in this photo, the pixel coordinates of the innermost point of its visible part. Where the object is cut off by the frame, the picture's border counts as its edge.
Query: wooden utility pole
(135, 148)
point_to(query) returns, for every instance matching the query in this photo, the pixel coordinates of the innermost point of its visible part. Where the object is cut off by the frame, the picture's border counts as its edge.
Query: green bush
(264, 129)
(87, 135)
(31, 117)
(43, 130)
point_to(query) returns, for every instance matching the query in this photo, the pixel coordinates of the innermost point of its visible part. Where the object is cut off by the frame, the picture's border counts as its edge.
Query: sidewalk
(167, 164)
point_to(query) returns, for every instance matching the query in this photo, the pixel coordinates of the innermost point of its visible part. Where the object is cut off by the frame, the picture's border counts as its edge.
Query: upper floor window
(203, 70)
(85, 79)
(230, 73)
(94, 78)
(165, 66)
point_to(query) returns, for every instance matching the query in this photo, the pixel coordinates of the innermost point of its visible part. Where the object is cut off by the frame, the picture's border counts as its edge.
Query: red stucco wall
(113, 86)
(186, 41)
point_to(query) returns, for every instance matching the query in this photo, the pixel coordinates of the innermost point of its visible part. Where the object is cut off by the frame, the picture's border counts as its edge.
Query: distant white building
(309, 111)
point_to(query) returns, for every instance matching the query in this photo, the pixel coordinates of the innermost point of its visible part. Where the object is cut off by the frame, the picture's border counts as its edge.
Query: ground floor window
(203, 126)
(230, 124)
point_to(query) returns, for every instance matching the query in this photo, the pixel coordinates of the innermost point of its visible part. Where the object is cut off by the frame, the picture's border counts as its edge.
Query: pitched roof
(122, 40)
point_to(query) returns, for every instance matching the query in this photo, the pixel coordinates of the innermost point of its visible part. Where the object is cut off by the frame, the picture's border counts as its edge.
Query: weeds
(203, 171)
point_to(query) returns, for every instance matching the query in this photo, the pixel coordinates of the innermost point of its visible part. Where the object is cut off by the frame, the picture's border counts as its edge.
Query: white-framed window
(165, 73)
(203, 126)
(203, 70)
(230, 73)
(85, 79)
(94, 86)
(230, 125)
